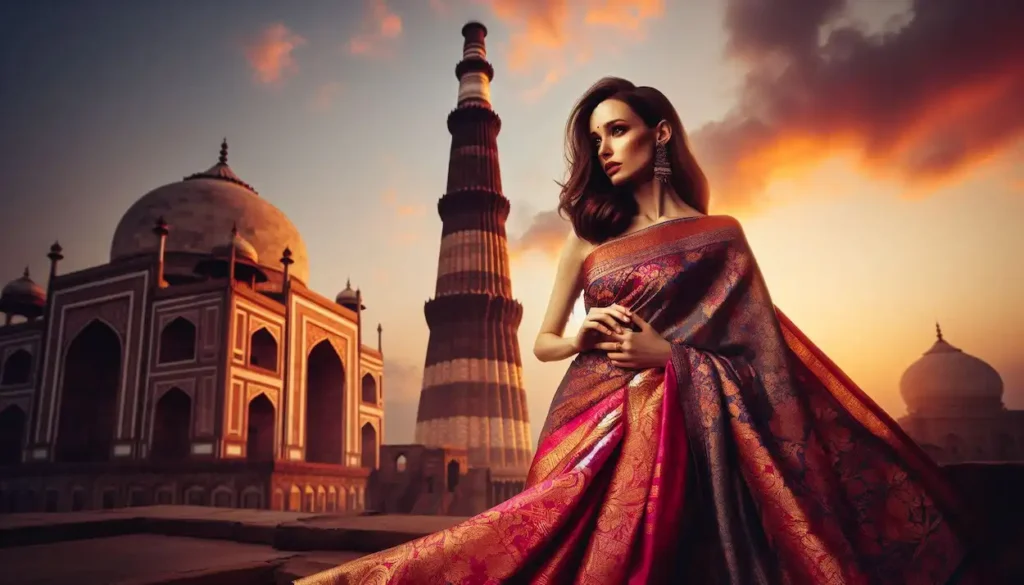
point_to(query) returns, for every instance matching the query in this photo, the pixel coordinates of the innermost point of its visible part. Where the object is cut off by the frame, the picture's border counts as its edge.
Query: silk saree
(748, 459)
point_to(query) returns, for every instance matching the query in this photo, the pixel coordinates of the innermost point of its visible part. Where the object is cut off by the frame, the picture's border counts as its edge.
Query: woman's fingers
(619, 312)
(597, 326)
(626, 312)
(606, 319)
(615, 311)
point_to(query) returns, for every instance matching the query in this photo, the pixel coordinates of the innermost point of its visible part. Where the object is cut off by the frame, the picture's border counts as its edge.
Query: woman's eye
(618, 130)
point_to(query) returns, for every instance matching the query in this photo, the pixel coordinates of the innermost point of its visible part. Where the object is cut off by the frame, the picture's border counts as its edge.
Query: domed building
(203, 208)
(195, 367)
(955, 407)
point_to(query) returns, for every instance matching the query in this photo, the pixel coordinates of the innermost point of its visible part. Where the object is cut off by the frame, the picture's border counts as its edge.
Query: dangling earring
(662, 168)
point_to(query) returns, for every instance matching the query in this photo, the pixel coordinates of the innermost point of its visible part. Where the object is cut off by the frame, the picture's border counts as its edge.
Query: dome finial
(223, 152)
(234, 229)
(938, 331)
(25, 275)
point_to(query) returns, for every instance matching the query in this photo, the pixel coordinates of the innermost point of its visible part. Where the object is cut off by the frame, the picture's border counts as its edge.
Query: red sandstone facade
(174, 375)
(415, 479)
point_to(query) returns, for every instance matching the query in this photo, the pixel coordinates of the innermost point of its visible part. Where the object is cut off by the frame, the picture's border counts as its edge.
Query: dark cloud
(918, 104)
(791, 26)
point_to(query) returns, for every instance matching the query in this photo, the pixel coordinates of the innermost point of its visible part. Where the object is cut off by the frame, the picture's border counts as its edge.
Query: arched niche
(17, 368)
(12, 434)
(259, 441)
(172, 426)
(90, 380)
(177, 341)
(368, 445)
(325, 404)
(369, 389)
(263, 350)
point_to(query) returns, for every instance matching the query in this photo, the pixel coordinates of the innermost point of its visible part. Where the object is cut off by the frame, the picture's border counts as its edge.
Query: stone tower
(472, 394)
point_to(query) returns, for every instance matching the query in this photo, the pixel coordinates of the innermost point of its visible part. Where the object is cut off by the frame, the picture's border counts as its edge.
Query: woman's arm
(550, 345)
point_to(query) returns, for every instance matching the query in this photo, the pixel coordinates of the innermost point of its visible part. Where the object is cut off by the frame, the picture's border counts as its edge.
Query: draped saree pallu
(748, 459)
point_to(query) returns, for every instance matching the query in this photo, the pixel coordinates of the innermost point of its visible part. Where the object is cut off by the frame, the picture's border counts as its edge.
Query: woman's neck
(656, 200)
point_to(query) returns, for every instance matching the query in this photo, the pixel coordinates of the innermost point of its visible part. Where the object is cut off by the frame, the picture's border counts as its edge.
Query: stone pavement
(133, 559)
(182, 545)
(194, 545)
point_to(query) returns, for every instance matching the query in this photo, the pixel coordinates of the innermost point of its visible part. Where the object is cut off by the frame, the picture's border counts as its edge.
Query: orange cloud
(270, 56)
(380, 276)
(549, 35)
(325, 96)
(922, 105)
(411, 209)
(623, 14)
(381, 25)
(390, 198)
(546, 234)
(1017, 186)
(551, 78)
(403, 238)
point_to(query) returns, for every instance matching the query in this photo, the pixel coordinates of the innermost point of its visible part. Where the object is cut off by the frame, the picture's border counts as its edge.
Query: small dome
(246, 266)
(349, 297)
(243, 249)
(199, 210)
(946, 373)
(348, 294)
(23, 296)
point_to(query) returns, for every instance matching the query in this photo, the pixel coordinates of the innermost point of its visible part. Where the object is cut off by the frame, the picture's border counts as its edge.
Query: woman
(698, 437)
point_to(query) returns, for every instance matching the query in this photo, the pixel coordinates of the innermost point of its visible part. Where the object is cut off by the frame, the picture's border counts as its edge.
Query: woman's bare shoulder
(575, 247)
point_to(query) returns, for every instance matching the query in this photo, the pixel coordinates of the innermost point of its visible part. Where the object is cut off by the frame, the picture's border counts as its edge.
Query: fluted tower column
(472, 394)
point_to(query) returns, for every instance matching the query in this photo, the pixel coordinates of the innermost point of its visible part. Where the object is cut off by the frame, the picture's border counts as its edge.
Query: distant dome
(349, 297)
(945, 373)
(243, 249)
(23, 296)
(200, 211)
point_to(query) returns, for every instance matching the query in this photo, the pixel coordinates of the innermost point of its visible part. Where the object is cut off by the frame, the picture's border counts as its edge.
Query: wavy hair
(597, 209)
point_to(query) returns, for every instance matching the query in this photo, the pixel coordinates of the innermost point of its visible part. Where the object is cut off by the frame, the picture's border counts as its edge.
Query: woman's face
(623, 143)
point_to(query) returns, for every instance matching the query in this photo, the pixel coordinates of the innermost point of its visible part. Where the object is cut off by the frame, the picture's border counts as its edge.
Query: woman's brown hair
(597, 209)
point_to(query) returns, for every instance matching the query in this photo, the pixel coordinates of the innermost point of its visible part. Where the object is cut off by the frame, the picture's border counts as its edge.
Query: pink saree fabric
(749, 459)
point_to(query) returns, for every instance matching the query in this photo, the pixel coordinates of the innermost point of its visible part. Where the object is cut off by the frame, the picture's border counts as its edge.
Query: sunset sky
(873, 150)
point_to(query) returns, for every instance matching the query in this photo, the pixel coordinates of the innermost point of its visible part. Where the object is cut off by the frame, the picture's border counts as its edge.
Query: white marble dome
(947, 374)
(200, 211)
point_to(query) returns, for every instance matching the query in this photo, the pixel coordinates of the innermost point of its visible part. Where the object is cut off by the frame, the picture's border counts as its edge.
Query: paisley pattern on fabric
(749, 459)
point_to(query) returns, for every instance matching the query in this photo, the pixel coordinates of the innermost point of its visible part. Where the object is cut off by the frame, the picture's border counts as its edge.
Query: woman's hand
(638, 349)
(600, 322)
